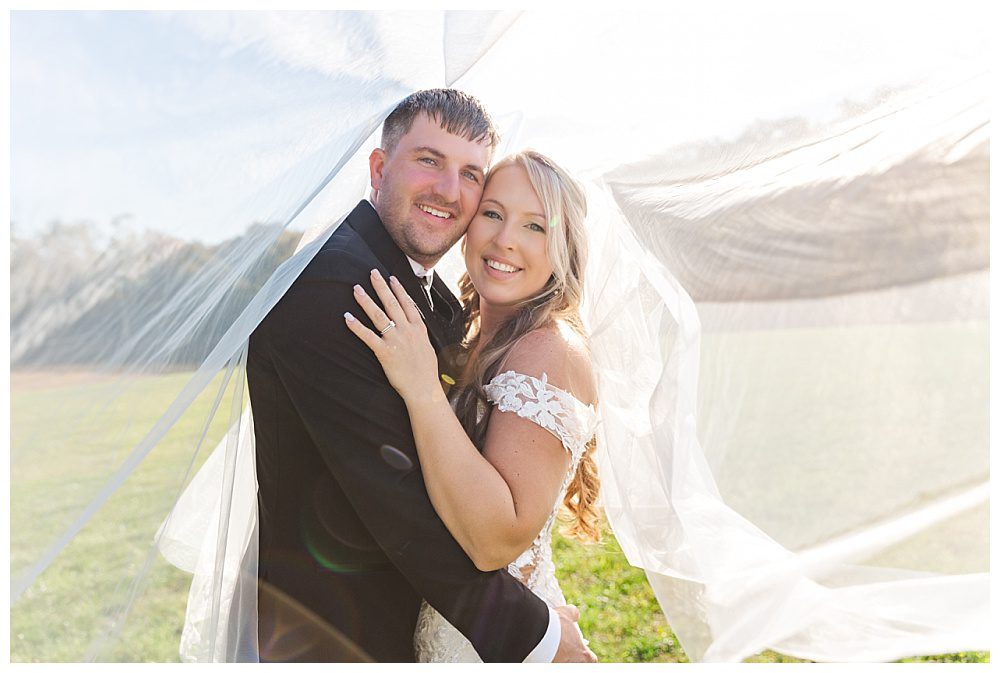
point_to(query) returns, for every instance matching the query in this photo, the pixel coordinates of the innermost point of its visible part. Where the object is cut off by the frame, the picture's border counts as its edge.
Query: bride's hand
(403, 347)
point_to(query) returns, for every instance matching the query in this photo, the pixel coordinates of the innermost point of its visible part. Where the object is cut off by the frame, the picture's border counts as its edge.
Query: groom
(347, 530)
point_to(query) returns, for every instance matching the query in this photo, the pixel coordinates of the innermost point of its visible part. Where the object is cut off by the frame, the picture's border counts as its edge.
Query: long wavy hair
(558, 301)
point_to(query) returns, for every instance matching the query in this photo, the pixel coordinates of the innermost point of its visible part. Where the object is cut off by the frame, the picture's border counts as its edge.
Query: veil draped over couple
(758, 348)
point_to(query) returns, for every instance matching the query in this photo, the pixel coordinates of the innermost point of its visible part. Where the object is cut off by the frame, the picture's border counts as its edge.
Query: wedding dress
(574, 423)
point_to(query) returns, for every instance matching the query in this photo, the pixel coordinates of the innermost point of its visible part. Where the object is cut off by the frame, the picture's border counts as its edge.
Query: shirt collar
(425, 275)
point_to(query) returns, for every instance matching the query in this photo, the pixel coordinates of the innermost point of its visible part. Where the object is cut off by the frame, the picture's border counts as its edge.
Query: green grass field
(619, 613)
(55, 472)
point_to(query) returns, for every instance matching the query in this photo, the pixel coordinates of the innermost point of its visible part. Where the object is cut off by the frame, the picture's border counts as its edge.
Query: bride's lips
(497, 273)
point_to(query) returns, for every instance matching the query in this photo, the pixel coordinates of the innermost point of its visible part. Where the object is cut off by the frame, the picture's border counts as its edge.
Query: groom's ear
(376, 163)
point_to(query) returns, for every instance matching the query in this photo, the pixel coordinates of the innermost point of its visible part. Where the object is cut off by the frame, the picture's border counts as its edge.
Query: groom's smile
(435, 213)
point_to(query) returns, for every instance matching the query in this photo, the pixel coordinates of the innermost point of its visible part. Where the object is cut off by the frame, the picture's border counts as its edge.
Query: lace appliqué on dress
(573, 422)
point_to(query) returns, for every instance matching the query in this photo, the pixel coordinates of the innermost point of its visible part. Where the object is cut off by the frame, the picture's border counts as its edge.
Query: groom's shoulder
(345, 247)
(344, 257)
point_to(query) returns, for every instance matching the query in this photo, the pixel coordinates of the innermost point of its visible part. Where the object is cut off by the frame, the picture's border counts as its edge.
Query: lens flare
(289, 631)
(335, 539)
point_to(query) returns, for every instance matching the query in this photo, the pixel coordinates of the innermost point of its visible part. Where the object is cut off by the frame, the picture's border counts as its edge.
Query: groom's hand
(572, 647)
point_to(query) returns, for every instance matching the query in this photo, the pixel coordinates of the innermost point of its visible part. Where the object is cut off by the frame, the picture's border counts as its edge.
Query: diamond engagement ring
(392, 323)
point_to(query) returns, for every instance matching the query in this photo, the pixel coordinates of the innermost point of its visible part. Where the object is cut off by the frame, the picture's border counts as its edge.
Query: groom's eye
(428, 160)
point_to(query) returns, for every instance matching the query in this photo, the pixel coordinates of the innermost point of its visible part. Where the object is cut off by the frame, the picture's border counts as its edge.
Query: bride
(515, 441)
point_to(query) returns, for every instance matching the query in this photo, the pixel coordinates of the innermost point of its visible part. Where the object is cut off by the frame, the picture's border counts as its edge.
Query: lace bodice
(573, 423)
(565, 417)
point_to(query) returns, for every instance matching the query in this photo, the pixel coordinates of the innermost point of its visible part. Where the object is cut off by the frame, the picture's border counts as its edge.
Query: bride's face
(506, 247)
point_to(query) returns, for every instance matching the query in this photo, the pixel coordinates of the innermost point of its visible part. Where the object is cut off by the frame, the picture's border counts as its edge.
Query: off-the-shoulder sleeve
(553, 408)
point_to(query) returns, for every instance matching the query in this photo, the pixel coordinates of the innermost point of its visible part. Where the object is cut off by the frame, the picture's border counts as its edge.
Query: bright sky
(199, 123)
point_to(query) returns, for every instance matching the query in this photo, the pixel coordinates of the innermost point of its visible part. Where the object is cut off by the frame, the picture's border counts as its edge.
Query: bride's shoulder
(558, 352)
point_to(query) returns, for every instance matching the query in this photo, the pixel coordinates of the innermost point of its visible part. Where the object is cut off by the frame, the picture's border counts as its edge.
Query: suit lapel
(444, 323)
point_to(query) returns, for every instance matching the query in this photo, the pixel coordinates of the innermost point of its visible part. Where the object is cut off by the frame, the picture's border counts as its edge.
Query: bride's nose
(504, 237)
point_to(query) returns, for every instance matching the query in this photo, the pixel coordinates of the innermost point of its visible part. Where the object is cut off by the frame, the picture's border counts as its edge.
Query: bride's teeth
(500, 267)
(435, 213)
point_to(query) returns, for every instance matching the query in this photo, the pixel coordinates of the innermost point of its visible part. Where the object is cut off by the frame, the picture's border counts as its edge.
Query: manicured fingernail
(350, 318)
(392, 279)
(359, 290)
(376, 274)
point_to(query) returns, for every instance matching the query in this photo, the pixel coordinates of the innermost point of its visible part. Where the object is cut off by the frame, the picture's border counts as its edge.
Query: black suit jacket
(346, 525)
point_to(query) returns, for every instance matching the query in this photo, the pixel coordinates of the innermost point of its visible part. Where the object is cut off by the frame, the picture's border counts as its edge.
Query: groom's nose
(448, 186)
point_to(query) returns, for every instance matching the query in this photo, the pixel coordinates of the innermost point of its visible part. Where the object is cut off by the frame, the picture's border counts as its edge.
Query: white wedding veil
(787, 301)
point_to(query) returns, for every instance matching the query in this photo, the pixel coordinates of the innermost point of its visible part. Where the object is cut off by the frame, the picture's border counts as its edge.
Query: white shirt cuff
(545, 650)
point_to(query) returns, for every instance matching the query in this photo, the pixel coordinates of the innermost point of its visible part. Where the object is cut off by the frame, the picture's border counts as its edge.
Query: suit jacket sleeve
(350, 411)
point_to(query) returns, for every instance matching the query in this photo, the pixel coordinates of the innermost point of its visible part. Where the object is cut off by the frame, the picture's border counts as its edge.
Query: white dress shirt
(545, 650)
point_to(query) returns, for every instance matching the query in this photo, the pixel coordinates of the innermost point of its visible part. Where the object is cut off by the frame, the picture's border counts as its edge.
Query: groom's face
(428, 188)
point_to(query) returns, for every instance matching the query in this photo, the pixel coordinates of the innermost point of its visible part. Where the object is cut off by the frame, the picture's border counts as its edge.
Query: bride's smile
(506, 247)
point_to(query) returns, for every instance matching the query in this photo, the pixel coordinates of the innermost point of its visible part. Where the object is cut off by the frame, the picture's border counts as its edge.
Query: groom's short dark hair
(456, 111)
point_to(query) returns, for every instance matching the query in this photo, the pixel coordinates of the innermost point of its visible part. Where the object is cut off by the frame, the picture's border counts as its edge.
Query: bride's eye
(534, 226)
(492, 214)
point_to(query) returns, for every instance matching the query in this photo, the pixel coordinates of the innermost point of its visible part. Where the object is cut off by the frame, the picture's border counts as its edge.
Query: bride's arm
(494, 503)
(493, 509)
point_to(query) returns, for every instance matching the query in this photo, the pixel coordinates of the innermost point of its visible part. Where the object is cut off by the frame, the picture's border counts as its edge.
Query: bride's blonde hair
(565, 206)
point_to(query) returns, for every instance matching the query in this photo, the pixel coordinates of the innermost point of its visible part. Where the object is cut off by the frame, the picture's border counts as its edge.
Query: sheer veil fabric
(787, 302)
